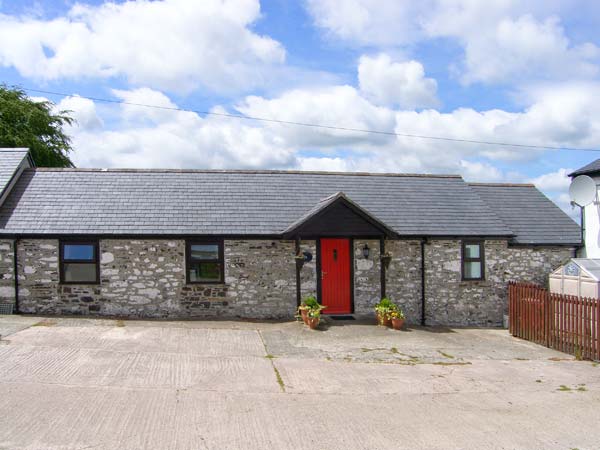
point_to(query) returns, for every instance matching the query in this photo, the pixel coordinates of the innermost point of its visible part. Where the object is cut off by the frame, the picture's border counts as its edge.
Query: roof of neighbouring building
(213, 202)
(529, 214)
(10, 161)
(588, 169)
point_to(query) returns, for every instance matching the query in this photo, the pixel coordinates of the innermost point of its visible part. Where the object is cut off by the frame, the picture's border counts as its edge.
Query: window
(205, 262)
(472, 261)
(79, 262)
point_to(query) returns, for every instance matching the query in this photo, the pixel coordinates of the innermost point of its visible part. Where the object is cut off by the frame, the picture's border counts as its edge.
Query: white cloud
(524, 48)
(335, 106)
(556, 186)
(560, 115)
(155, 138)
(503, 40)
(554, 181)
(396, 83)
(82, 110)
(175, 45)
(370, 22)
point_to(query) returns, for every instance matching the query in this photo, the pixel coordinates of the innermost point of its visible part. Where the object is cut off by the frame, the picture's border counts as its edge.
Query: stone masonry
(367, 277)
(403, 277)
(451, 301)
(146, 278)
(7, 286)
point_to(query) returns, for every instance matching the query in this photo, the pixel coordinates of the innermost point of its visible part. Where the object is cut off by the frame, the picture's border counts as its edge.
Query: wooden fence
(566, 323)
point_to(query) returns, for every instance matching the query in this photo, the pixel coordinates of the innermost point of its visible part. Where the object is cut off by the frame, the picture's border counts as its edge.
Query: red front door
(335, 276)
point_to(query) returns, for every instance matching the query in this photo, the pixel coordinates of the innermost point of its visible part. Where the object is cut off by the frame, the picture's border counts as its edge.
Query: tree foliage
(35, 125)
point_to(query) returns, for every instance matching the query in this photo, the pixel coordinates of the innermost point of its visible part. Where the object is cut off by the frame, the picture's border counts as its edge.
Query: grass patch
(582, 389)
(279, 379)
(444, 363)
(538, 381)
(446, 355)
(270, 357)
(394, 350)
(119, 323)
(44, 323)
(564, 388)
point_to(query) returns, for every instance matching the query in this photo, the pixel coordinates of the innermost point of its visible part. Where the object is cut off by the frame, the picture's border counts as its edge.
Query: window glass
(472, 251)
(205, 271)
(77, 272)
(82, 252)
(204, 251)
(473, 269)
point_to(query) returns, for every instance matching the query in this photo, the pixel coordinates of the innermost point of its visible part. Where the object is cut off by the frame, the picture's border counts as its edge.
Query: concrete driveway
(105, 384)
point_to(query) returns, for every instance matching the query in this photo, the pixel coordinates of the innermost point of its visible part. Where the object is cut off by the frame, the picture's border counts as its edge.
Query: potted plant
(313, 318)
(383, 310)
(309, 306)
(397, 317)
(386, 258)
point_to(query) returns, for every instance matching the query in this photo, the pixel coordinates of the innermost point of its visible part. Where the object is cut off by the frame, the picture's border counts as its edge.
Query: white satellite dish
(582, 190)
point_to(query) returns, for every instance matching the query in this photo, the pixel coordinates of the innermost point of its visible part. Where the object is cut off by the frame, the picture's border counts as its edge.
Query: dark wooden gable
(340, 218)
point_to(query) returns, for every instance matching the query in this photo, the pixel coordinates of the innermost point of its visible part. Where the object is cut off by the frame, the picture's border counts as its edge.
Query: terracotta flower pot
(313, 322)
(397, 323)
(383, 320)
(304, 314)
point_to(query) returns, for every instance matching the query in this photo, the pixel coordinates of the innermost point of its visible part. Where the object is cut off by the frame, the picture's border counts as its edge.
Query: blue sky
(501, 70)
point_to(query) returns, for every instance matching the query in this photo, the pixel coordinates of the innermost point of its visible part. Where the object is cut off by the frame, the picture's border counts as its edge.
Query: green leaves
(26, 123)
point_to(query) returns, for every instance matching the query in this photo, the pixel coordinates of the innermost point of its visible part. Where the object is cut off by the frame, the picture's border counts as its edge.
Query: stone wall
(308, 273)
(7, 286)
(451, 301)
(146, 278)
(403, 277)
(367, 276)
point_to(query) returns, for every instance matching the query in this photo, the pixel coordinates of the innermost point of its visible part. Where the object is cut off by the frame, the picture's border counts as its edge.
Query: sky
(501, 70)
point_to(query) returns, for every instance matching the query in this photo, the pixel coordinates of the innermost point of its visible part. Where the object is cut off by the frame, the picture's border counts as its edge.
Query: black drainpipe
(382, 267)
(298, 277)
(423, 242)
(16, 275)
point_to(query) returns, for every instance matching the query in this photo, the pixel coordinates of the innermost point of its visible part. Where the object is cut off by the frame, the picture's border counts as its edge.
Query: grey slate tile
(238, 202)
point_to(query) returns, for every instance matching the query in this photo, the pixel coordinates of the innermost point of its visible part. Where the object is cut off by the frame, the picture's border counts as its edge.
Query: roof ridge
(249, 171)
(503, 184)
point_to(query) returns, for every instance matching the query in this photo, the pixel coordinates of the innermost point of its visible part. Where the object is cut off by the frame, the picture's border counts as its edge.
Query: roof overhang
(327, 205)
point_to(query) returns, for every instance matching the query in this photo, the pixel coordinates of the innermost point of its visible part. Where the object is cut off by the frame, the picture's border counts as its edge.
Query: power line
(314, 125)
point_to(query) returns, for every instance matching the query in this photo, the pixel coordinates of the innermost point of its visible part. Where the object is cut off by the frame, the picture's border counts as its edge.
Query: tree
(35, 125)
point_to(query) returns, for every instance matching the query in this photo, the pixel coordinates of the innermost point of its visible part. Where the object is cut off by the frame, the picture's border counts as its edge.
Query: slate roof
(159, 202)
(593, 167)
(529, 214)
(10, 160)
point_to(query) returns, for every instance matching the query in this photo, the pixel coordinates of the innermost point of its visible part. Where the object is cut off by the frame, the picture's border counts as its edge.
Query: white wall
(592, 228)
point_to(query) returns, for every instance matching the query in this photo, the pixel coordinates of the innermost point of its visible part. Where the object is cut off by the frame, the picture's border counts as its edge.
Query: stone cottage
(252, 244)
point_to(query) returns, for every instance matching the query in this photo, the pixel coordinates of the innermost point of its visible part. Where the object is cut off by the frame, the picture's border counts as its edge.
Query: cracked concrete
(104, 384)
